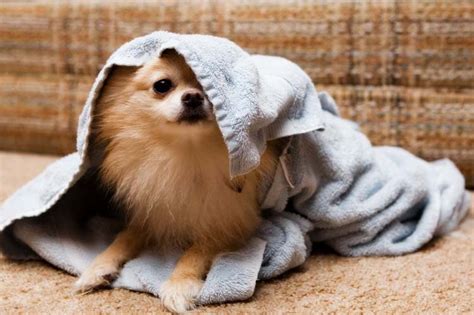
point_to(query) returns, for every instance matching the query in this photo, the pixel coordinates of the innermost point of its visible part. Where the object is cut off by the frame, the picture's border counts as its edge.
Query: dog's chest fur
(181, 192)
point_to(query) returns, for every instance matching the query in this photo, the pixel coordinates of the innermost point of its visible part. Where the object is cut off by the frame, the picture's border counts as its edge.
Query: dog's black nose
(192, 99)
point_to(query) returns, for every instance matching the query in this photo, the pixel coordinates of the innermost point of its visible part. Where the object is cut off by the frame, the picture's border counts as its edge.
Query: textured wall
(402, 69)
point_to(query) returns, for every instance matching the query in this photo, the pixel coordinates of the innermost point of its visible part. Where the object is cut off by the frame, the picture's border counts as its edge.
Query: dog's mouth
(192, 116)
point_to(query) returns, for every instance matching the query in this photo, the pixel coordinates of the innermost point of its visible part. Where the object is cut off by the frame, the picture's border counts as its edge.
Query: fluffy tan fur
(172, 178)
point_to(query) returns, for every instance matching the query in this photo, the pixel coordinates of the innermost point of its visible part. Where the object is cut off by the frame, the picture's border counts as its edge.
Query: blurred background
(402, 69)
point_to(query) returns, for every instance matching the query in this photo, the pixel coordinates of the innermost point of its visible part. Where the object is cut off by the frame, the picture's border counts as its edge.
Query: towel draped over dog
(331, 185)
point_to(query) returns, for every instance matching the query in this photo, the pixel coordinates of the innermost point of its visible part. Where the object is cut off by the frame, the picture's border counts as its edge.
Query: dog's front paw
(95, 276)
(179, 295)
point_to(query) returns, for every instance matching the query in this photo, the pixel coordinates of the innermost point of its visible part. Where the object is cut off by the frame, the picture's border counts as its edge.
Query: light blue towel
(331, 184)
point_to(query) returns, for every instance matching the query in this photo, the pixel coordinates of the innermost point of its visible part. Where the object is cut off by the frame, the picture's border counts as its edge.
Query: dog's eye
(162, 86)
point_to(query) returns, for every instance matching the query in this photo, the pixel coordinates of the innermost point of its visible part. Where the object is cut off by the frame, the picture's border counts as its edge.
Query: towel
(331, 185)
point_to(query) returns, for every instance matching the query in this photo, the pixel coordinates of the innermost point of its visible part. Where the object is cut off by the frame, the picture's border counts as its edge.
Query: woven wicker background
(402, 69)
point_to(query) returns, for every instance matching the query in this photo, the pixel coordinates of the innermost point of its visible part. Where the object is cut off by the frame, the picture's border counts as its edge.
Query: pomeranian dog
(166, 162)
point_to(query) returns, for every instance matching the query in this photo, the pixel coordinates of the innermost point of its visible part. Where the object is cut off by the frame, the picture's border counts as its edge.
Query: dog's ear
(169, 53)
(237, 183)
(114, 86)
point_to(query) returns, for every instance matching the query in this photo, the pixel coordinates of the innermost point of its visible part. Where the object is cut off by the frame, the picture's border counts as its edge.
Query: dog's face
(170, 89)
(161, 99)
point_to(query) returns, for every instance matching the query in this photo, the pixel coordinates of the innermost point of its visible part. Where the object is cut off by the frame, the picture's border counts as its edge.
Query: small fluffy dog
(166, 162)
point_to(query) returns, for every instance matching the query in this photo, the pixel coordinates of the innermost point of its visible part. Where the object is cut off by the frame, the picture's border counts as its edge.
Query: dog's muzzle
(193, 107)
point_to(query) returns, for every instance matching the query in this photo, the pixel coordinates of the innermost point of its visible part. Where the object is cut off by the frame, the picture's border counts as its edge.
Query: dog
(165, 160)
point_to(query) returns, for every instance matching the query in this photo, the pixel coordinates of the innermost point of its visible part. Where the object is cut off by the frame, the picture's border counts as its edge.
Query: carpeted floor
(437, 280)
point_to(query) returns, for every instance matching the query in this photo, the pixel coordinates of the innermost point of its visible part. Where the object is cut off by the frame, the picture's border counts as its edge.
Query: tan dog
(166, 161)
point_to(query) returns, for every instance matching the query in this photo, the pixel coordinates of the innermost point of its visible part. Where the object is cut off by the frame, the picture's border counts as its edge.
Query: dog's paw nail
(180, 296)
(95, 277)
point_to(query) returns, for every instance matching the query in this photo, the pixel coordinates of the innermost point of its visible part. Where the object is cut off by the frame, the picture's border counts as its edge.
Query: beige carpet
(437, 280)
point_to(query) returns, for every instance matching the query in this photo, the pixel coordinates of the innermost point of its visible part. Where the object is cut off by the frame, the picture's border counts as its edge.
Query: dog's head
(163, 97)
(169, 87)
